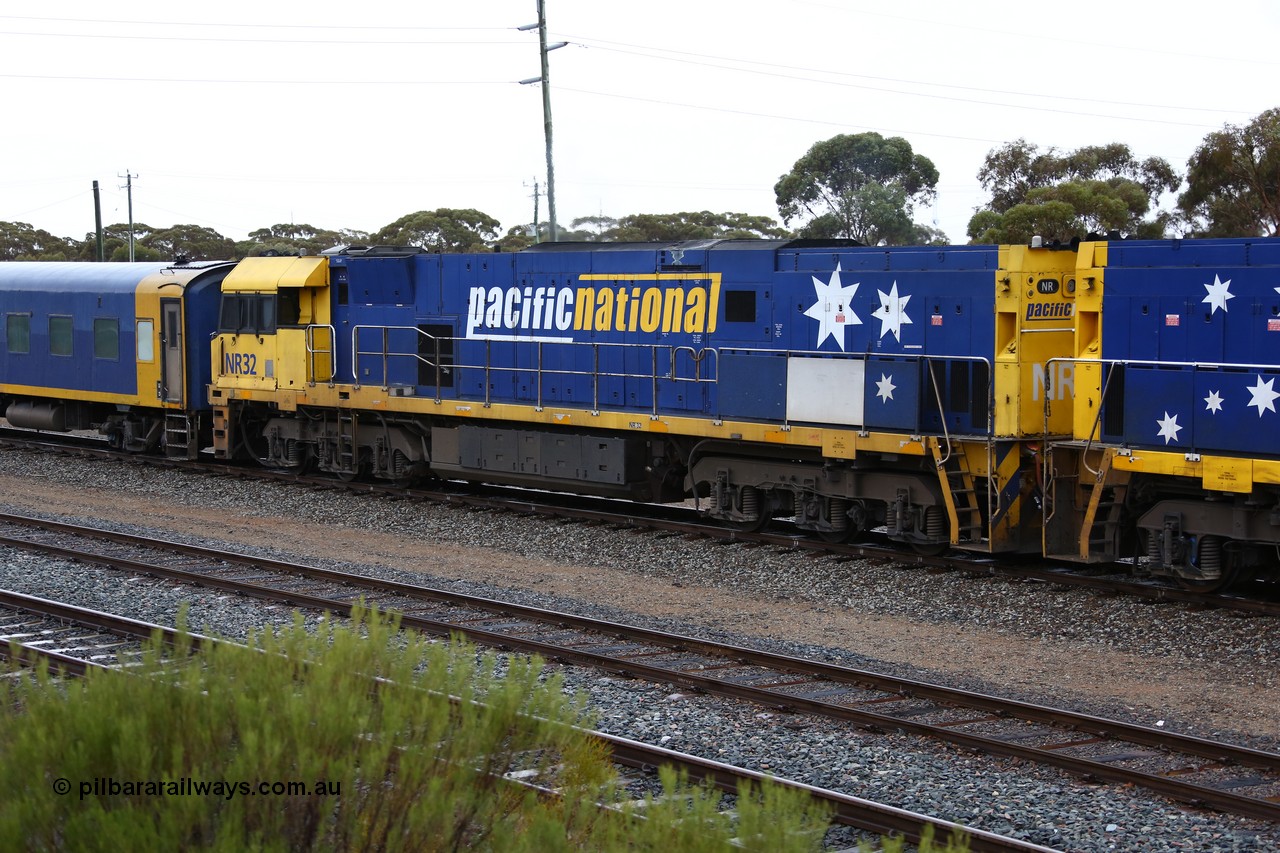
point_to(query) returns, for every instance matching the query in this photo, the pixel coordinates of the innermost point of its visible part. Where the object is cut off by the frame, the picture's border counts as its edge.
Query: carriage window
(106, 338)
(17, 329)
(146, 338)
(60, 336)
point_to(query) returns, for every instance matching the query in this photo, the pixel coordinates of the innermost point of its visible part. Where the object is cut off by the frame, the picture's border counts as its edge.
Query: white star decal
(1264, 395)
(1169, 428)
(892, 312)
(1218, 294)
(832, 309)
(884, 388)
(1213, 402)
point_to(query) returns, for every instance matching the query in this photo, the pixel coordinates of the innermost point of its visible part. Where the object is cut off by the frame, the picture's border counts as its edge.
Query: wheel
(1214, 572)
(749, 505)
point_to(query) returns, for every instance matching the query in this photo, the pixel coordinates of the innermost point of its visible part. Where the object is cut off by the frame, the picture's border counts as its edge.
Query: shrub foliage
(391, 741)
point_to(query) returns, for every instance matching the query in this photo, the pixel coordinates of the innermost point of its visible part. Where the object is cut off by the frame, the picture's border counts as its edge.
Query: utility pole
(97, 220)
(544, 79)
(537, 191)
(128, 185)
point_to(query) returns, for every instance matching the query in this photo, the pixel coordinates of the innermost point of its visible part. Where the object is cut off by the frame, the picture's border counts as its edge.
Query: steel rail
(565, 506)
(856, 812)
(1174, 788)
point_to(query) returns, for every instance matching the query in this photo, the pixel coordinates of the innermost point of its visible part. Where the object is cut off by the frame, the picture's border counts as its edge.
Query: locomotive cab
(273, 337)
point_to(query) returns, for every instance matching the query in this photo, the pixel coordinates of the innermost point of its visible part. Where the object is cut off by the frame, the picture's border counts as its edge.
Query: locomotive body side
(847, 387)
(1175, 432)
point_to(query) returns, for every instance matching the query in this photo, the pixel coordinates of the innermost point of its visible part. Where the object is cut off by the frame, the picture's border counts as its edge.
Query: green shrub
(171, 755)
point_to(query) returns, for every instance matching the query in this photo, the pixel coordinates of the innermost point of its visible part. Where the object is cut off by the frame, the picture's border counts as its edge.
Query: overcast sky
(240, 115)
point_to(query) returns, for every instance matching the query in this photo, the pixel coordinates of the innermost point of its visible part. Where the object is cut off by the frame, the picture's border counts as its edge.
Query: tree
(862, 186)
(194, 242)
(296, 239)
(517, 238)
(1098, 188)
(595, 226)
(20, 242)
(1233, 181)
(443, 230)
(700, 225)
(115, 244)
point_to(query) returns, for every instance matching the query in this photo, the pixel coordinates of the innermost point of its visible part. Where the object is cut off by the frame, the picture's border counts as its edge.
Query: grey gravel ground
(1000, 796)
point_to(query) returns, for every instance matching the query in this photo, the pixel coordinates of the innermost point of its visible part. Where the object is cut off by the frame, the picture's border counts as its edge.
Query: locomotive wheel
(935, 525)
(1206, 585)
(752, 526)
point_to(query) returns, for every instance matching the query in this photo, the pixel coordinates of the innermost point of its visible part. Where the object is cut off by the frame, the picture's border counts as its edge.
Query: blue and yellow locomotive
(1090, 402)
(843, 386)
(1175, 453)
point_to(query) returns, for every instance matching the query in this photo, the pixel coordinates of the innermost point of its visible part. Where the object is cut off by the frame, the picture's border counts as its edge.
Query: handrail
(706, 366)
(1106, 386)
(942, 416)
(312, 351)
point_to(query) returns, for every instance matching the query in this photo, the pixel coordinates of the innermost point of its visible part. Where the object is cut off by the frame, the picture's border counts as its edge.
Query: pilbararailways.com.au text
(109, 786)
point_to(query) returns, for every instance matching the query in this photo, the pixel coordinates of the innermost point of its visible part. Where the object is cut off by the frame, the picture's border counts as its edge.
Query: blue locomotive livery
(1177, 358)
(845, 387)
(1093, 402)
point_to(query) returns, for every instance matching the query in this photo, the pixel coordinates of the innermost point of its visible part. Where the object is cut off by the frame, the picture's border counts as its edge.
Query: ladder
(1102, 517)
(347, 459)
(181, 434)
(964, 509)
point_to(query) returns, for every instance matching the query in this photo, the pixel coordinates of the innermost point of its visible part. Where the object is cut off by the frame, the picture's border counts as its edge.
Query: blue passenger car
(122, 348)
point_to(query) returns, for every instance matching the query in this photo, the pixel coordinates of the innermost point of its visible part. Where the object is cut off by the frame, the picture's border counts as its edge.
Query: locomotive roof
(688, 245)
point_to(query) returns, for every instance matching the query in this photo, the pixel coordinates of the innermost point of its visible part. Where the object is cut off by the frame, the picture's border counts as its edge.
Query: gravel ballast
(1204, 672)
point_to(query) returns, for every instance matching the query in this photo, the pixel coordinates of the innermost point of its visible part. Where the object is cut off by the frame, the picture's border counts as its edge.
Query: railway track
(1220, 776)
(1107, 580)
(72, 640)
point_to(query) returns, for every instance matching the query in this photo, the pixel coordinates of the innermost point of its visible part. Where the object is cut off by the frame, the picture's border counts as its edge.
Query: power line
(213, 39)
(106, 79)
(207, 24)
(697, 57)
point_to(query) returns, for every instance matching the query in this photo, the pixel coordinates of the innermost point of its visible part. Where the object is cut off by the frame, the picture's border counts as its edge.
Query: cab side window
(248, 313)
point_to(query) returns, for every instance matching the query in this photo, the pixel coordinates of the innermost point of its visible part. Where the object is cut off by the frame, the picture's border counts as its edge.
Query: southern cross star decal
(1218, 295)
(1213, 403)
(832, 309)
(1264, 395)
(1169, 428)
(884, 388)
(892, 312)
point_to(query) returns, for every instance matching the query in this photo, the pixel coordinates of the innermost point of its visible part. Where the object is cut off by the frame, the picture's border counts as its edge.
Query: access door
(171, 350)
